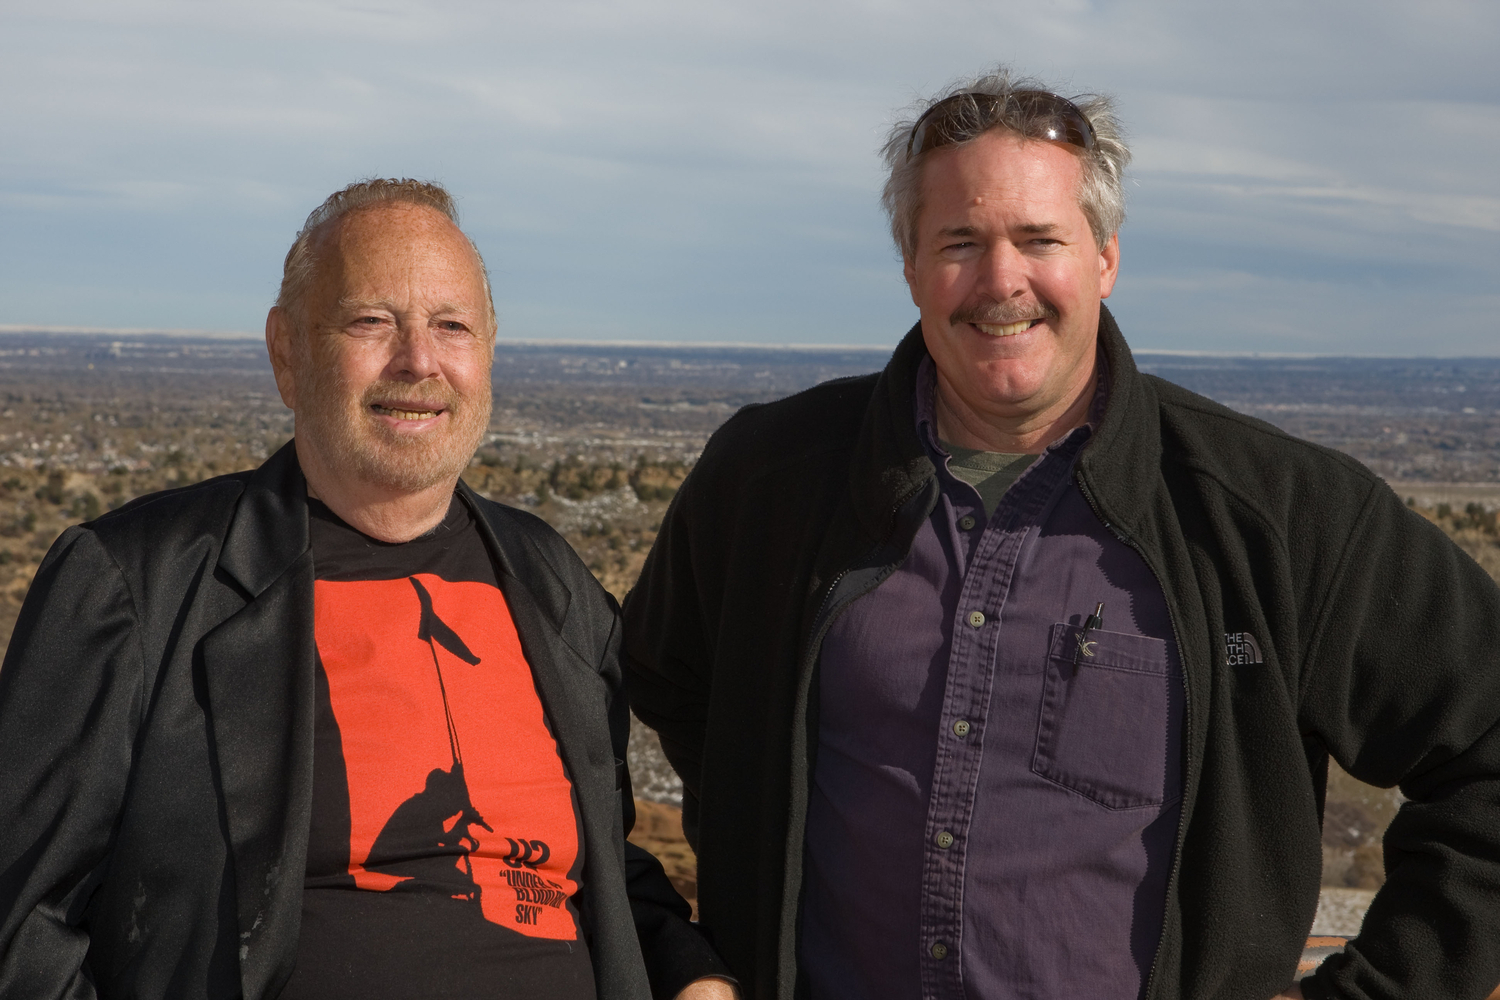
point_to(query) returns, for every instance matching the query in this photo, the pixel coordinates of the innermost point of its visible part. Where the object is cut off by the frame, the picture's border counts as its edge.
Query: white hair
(1101, 193)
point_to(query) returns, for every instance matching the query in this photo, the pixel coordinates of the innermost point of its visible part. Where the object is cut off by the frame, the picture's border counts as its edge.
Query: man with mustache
(336, 727)
(1010, 671)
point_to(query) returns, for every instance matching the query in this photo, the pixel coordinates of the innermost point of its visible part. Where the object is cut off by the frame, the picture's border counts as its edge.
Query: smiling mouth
(1006, 329)
(401, 413)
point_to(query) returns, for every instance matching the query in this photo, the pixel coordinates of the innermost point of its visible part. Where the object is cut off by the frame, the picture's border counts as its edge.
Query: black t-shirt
(444, 850)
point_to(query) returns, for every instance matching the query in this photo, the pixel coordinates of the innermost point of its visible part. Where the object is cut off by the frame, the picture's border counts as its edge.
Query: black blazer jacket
(156, 743)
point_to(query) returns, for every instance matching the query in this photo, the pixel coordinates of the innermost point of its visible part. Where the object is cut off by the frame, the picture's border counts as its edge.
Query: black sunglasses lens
(1055, 119)
(948, 119)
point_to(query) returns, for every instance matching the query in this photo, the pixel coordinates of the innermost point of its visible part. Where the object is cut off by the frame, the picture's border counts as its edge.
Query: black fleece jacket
(1379, 643)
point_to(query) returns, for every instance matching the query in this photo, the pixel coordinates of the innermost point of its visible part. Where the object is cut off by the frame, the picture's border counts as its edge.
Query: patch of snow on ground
(1341, 911)
(597, 512)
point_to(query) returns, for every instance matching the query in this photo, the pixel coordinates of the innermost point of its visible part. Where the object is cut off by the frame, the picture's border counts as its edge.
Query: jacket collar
(269, 532)
(269, 529)
(1125, 389)
(889, 463)
(517, 558)
(1124, 458)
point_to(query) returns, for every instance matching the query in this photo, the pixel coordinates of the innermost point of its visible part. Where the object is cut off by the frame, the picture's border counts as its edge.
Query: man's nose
(415, 357)
(1002, 272)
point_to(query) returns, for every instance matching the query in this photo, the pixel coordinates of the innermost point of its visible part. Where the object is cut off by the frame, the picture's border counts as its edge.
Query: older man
(1012, 672)
(337, 727)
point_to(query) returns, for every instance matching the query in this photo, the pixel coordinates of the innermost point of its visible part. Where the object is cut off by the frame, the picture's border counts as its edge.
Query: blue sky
(1308, 177)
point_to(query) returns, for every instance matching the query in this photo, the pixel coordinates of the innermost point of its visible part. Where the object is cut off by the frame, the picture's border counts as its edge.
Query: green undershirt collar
(991, 473)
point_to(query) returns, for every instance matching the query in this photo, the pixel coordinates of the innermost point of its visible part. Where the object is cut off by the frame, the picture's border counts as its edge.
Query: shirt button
(961, 727)
(940, 951)
(976, 618)
(966, 522)
(944, 839)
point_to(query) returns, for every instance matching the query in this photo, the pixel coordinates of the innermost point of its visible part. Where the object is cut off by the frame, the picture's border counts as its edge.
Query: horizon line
(20, 328)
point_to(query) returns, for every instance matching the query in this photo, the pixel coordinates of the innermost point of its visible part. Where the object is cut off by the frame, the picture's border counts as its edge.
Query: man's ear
(909, 272)
(281, 345)
(1109, 266)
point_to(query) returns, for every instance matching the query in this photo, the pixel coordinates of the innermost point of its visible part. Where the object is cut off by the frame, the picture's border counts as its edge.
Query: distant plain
(596, 438)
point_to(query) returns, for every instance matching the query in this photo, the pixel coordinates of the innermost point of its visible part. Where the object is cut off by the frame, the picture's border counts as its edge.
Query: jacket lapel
(571, 689)
(259, 671)
(577, 700)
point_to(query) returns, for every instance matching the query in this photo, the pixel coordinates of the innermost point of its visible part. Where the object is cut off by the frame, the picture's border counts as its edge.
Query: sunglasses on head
(1046, 116)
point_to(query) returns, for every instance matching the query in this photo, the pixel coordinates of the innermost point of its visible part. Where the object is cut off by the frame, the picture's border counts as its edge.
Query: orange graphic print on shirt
(454, 779)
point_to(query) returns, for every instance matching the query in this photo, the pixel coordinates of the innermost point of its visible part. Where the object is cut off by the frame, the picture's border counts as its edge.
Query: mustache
(404, 395)
(1002, 313)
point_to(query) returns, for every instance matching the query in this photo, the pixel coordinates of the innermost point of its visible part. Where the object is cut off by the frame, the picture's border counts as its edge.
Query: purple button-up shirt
(995, 796)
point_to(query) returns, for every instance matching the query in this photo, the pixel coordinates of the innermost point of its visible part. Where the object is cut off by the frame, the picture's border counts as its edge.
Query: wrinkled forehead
(1000, 161)
(394, 234)
(399, 247)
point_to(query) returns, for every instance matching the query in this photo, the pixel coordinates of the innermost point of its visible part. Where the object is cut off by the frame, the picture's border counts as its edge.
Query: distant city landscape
(596, 438)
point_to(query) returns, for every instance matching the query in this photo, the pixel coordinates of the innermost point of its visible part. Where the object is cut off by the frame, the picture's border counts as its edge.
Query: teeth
(391, 411)
(1008, 330)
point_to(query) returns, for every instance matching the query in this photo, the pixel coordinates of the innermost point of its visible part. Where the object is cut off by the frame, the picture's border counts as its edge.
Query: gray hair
(1101, 193)
(302, 259)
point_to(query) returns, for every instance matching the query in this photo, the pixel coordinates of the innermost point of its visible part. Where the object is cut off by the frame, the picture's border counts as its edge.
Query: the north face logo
(1240, 648)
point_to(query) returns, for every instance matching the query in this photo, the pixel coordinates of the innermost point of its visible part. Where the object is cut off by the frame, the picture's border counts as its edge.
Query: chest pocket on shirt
(1102, 729)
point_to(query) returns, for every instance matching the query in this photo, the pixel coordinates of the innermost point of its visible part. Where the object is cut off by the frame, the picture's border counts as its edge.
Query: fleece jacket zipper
(847, 586)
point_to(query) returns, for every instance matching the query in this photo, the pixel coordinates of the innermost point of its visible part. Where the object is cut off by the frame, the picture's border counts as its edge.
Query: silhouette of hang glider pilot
(406, 844)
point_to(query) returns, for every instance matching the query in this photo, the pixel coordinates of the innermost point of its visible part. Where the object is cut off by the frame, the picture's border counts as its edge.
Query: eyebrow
(1030, 229)
(357, 304)
(348, 303)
